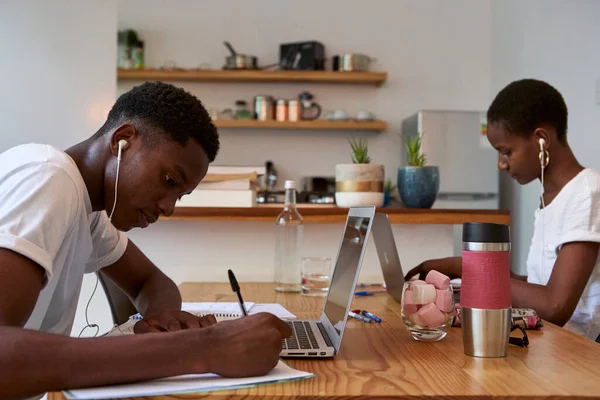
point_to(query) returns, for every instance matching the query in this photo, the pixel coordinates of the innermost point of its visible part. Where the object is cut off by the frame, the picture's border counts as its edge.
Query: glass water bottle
(288, 241)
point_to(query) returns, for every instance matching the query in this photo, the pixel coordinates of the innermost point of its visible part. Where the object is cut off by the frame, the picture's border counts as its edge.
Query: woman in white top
(527, 124)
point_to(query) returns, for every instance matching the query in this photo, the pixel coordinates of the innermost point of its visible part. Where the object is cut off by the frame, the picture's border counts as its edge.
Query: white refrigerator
(456, 142)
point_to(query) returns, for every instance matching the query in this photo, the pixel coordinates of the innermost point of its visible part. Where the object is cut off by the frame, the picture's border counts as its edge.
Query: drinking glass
(316, 275)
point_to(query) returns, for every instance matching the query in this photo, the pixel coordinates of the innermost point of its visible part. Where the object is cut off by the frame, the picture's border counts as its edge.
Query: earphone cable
(96, 251)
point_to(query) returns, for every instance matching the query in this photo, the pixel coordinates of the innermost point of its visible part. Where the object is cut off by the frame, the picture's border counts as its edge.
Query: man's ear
(126, 132)
(542, 138)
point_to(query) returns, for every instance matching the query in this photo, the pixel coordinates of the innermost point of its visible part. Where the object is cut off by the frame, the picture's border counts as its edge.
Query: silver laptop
(388, 256)
(323, 338)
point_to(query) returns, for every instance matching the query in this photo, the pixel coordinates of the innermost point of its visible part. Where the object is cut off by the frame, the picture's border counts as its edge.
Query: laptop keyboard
(302, 337)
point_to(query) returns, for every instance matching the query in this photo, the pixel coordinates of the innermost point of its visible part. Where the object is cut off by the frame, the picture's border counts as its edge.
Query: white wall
(556, 41)
(57, 71)
(437, 55)
(57, 76)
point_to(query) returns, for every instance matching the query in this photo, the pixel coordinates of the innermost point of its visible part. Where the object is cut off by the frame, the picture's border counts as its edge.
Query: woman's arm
(557, 301)
(518, 277)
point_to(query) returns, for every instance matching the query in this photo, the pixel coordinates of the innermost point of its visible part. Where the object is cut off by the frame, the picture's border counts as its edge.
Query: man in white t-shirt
(54, 229)
(527, 124)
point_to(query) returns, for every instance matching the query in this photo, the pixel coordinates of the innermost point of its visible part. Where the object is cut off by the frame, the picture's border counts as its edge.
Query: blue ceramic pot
(418, 186)
(387, 197)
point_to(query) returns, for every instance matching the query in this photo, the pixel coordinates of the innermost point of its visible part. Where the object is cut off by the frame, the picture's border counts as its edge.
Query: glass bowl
(428, 311)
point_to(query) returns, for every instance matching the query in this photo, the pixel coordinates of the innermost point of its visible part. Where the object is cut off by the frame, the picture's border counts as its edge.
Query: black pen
(236, 288)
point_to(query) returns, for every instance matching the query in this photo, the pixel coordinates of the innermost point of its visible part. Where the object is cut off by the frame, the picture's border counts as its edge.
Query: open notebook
(221, 310)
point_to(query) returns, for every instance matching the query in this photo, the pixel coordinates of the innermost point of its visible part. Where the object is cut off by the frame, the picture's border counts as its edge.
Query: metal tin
(294, 110)
(263, 108)
(281, 110)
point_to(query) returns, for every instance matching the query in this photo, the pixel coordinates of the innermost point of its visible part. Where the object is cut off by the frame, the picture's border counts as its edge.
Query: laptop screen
(342, 282)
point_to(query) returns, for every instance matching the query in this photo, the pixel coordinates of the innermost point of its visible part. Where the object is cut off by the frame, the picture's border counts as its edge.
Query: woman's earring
(544, 157)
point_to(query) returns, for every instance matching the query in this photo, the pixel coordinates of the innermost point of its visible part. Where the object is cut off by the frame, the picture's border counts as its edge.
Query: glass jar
(241, 110)
(427, 311)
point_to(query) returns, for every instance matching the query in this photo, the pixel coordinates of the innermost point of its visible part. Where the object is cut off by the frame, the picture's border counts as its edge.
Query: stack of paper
(225, 186)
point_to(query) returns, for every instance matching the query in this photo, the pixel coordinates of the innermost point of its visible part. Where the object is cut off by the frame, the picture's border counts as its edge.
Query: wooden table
(382, 360)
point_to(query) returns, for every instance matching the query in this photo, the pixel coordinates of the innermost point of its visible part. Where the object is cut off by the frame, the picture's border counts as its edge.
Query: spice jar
(241, 110)
(281, 110)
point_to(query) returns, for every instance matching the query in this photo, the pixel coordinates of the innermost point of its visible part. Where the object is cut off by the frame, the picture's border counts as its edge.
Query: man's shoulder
(39, 160)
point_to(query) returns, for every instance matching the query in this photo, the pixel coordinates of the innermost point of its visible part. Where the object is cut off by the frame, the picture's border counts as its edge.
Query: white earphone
(542, 142)
(122, 145)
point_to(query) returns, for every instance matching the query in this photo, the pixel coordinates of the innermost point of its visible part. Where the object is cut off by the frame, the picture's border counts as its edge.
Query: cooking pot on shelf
(351, 62)
(239, 61)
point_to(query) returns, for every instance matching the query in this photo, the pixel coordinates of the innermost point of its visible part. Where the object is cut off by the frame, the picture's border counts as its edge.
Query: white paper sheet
(186, 384)
(273, 308)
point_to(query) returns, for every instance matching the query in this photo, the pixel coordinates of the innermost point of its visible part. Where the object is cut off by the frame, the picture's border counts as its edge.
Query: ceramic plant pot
(359, 185)
(418, 186)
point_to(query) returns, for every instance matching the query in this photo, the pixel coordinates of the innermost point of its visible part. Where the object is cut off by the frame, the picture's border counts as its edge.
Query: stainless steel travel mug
(485, 296)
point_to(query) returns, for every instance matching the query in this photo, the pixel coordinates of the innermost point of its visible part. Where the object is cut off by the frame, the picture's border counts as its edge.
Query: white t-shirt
(46, 215)
(573, 216)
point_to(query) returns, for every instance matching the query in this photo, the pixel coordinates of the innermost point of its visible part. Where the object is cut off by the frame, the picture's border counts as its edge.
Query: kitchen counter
(331, 213)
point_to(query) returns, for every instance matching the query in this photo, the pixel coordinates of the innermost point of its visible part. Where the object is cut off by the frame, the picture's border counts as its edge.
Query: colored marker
(368, 293)
(367, 284)
(369, 315)
(359, 317)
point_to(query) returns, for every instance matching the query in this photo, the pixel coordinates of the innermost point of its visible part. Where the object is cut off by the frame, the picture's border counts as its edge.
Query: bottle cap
(483, 232)
(290, 184)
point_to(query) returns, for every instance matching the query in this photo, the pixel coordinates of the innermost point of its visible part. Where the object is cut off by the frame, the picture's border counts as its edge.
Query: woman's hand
(450, 266)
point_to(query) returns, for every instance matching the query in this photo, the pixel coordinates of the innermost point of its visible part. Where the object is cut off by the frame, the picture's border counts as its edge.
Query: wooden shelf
(307, 125)
(217, 75)
(324, 213)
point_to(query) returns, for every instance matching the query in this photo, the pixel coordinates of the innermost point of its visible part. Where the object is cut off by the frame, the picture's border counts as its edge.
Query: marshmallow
(417, 282)
(443, 300)
(431, 315)
(439, 280)
(408, 306)
(423, 294)
(417, 320)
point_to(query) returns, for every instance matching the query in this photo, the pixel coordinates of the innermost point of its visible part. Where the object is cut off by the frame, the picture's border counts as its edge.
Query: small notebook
(221, 310)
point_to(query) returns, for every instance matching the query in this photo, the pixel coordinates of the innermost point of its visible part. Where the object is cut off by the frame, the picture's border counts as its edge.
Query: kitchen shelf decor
(348, 125)
(335, 214)
(278, 76)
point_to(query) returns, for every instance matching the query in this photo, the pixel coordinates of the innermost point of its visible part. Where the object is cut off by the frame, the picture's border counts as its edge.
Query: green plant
(413, 151)
(389, 187)
(360, 149)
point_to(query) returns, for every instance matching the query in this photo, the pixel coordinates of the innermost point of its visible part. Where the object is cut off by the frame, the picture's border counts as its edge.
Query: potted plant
(359, 183)
(389, 194)
(418, 184)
